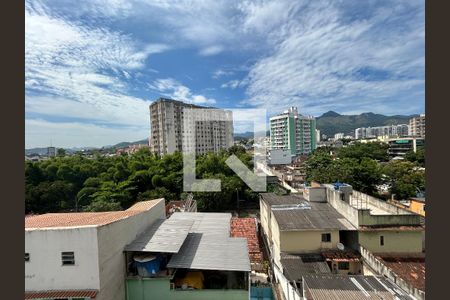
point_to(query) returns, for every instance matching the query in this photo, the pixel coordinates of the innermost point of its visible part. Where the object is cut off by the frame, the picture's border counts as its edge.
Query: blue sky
(92, 67)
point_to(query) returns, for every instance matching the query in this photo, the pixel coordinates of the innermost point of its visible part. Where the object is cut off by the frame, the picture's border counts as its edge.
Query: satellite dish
(340, 246)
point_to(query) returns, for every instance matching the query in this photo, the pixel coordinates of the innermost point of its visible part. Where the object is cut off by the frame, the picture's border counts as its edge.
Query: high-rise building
(417, 126)
(400, 130)
(293, 131)
(318, 136)
(210, 129)
(51, 151)
(338, 136)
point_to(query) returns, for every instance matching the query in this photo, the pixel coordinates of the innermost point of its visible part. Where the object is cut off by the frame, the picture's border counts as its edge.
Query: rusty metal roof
(410, 267)
(61, 294)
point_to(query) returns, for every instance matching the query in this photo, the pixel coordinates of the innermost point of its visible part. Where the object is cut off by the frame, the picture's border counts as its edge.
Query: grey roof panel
(318, 216)
(339, 287)
(209, 245)
(163, 236)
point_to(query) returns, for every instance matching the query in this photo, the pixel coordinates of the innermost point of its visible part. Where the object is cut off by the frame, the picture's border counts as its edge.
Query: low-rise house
(295, 225)
(188, 256)
(80, 255)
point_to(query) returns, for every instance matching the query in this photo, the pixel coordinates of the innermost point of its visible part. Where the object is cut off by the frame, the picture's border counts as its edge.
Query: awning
(61, 294)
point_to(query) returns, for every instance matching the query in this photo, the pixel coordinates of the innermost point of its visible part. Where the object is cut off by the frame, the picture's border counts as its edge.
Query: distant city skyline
(92, 68)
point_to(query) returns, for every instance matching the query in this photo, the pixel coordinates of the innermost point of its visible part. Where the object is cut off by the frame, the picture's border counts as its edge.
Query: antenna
(340, 246)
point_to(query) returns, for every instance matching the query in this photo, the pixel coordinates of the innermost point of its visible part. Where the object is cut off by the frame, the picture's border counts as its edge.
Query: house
(294, 225)
(80, 255)
(190, 255)
(382, 226)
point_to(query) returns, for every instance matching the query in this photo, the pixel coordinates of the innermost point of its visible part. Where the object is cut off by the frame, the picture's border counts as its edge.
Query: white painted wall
(112, 239)
(45, 271)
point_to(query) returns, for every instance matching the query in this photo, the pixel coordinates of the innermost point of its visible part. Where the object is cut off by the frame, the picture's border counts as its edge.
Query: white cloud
(211, 50)
(232, 84)
(220, 73)
(322, 59)
(79, 71)
(173, 89)
(39, 133)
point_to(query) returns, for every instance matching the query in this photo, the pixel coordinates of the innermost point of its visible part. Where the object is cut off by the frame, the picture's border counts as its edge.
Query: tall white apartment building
(417, 126)
(293, 131)
(400, 130)
(179, 126)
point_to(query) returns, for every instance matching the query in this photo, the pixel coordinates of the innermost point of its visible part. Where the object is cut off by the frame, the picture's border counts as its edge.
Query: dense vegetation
(115, 183)
(366, 166)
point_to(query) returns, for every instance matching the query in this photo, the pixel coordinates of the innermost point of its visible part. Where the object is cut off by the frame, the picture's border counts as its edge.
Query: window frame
(65, 258)
(326, 235)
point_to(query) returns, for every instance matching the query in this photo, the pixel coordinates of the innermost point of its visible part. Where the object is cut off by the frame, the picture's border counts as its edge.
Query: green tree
(405, 178)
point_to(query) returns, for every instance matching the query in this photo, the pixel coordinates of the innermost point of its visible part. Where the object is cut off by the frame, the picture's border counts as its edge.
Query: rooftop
(409, 267)
(209, 246)
(246, 227)
(273, 199)
(338, 287)
(309, 216)
(298, 265)
(84, 219)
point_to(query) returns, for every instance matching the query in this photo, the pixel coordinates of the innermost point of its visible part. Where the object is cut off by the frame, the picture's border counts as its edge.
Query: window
(326, 237)
(68, 258)
(381, 240)
(343, 265)
(27, 256)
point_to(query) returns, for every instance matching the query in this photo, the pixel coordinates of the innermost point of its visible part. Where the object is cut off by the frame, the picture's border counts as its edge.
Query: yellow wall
(417, 207)
(394, 241)
(354, 268)
(307, 241)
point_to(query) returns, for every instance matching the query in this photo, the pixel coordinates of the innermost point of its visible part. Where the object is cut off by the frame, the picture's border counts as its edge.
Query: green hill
(331, 122)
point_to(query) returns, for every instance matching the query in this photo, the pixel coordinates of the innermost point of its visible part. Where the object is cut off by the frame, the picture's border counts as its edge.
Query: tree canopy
(115, 183)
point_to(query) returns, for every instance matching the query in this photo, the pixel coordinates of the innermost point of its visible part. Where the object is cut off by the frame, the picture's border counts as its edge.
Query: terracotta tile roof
(52, 220)
(144, 205)
(337, 255)
(61, 294)
(246, 227)
(409, 267)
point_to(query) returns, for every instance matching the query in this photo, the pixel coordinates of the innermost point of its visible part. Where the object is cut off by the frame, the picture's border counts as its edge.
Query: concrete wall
(365, 218)
(307, 241)
(394, 241)
(265, 215)
(159, 289)
(345, 209)
(289, 291)
(275, 242)
(386, 206)
(45, 271)
(376, 265)
(315, 194)
(112, 239)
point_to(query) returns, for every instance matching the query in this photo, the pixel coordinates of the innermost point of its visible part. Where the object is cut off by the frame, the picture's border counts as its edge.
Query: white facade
(98, 251)
(417, 126)
(400, 130)
(338, 136)
(172, 122)
(45, 271)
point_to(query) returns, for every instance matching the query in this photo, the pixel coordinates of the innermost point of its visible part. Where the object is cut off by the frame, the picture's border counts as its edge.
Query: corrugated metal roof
(274, 199)
(338, 287)
(297, 265)
(209, 245)
(61, 294)
(163, 236)
(319, 216)
(204, 252)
